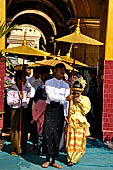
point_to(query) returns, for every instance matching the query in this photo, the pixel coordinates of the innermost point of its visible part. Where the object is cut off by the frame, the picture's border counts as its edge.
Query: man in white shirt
(35, 80)
(56, 111)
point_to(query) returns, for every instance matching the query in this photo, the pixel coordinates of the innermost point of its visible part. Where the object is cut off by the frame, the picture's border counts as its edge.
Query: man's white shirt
(57, 91)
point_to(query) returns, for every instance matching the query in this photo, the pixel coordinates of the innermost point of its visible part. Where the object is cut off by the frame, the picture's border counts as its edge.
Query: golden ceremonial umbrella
(69, 60)
(53, 62)
(20, 67)
(78, 38)
(25, 50)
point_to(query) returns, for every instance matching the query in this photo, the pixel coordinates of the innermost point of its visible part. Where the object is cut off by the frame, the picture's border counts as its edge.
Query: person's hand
(70, 97)
(21, 96)
(66, 119)
(77, 99)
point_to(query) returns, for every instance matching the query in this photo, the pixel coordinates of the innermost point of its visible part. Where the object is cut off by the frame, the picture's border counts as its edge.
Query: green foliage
(9, 63)
(4, 29)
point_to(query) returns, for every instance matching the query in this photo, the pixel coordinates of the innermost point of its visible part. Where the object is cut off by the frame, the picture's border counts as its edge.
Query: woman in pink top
(14, 98)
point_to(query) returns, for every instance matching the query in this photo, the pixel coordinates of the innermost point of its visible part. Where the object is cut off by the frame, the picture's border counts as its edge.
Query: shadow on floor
(96, 143)
(34, 156)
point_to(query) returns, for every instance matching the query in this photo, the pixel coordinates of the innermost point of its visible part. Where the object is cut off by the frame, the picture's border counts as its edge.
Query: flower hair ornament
(81, 80)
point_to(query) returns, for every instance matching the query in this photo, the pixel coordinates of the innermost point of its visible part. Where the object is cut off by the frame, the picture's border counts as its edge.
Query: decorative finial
(25, 41)
(77, 30)
(68, 54)
(58, 55)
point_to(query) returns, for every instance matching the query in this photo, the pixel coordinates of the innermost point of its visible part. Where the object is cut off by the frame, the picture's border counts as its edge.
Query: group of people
(44, 103)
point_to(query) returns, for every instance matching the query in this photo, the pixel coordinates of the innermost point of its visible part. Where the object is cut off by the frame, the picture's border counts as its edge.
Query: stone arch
(37, 13)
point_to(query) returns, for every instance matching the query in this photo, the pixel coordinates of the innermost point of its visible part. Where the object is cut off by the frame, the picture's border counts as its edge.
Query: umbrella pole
(71, 91)
(72, 80)
(21, 110)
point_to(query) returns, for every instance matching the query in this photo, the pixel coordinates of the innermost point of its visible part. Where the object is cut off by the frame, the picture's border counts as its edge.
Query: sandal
(70, 164)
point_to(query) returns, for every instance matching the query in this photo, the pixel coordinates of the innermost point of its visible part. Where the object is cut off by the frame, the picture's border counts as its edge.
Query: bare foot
(19, 151)
(14, 154)
(45, 164)
(56, 165)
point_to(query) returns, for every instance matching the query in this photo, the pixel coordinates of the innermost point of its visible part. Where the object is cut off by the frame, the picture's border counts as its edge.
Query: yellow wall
(109, 33)
(2, 19)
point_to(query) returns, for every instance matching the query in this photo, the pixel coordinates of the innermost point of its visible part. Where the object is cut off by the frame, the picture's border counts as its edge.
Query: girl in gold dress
(78, 127)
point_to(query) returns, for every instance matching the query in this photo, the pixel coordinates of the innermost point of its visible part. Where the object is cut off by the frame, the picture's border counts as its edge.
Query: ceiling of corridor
(51, 16)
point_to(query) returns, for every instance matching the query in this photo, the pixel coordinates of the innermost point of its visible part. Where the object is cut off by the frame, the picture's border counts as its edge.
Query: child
(78, 127)
(14, 98)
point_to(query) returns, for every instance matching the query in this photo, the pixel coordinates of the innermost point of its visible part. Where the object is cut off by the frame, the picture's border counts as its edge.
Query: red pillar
(107, 123)
(2, 74)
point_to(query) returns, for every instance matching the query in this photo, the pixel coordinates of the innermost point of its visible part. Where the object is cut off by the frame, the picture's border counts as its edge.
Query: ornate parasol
(52, 62)
(77, 38)
(68, 59)
(25, 50)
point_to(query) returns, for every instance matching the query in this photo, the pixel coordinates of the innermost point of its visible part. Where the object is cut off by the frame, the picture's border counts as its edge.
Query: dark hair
(60, 65)
(44, 69)
(19, 75)
(41, 70)
(36, 69)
